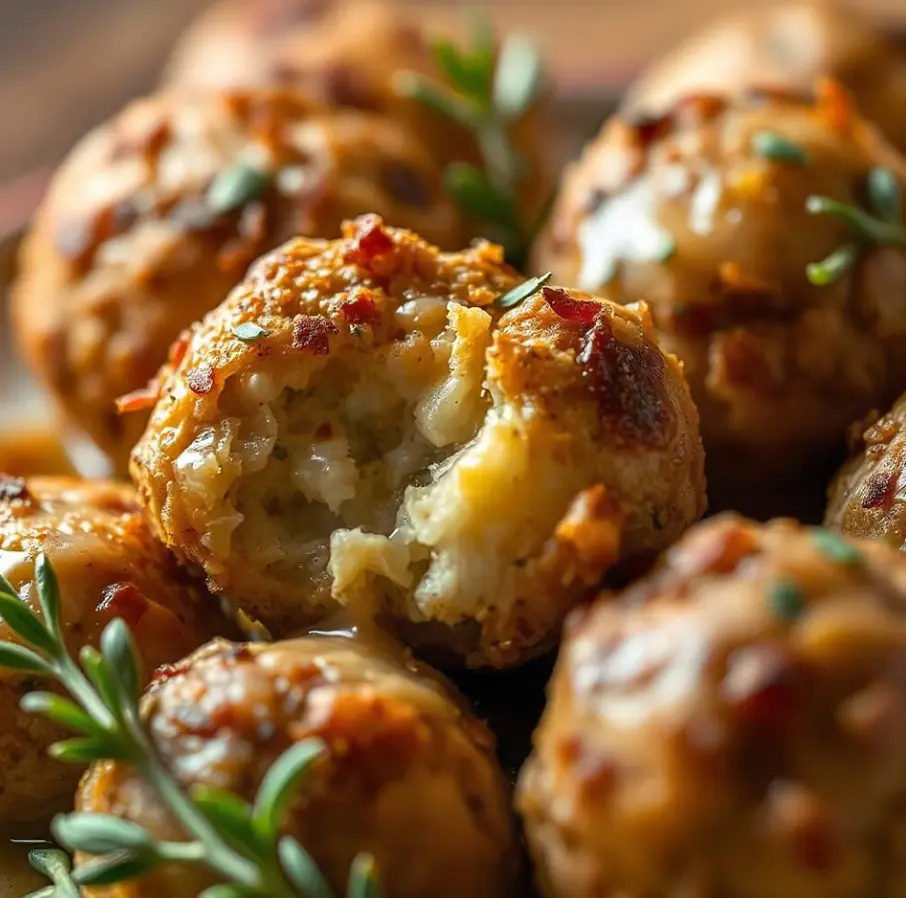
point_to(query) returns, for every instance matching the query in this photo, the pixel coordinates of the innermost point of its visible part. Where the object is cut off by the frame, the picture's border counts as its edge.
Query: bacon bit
(124, 600)
(803, 818)
(201, 379)
(13, 489)
(577, 311)
(627, 383)
(760, 686)
(732, 281)
(154, 141)
(311, 333)
(700, 108)
(371, 241)
(741, 360)
(324, 431)
(648, 128)
(717, 549)
(138, 400)
(360, 309)
(835, 105)
(879, 490)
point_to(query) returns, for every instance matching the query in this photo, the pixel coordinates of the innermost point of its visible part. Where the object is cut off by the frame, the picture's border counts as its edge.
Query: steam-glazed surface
(866, 499)
(786, 46)
(733, 726)
(409, 775)
(347, 53)
(395, 443)
(693, 215)
(108, 566)
(128, 248)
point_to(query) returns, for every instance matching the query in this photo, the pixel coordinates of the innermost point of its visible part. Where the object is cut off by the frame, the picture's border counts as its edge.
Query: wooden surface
(67, 64)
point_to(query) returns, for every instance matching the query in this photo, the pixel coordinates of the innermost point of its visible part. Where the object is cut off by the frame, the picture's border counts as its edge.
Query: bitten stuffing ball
(866, 499)
(108, 566)
(702, 213)
(734, 725)
(785, 46)
(348, 54)
(361, 424)
(156, 215)
(409, 775)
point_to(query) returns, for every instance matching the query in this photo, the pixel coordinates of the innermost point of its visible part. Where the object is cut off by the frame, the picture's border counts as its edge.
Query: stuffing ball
(109, 566)
(865, 499)
(703, 215)
(734, 726)
(362, 424)
(348, 53)
(408, 775)
(785, 46)
(157, 215)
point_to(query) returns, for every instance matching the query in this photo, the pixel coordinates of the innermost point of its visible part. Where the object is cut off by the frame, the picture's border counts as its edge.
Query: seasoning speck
(787, 600)
(250, 332)
(836, 549)
(774, 146)
(236, 186)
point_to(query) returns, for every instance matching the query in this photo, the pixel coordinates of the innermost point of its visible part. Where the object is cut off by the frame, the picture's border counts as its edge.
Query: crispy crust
(576, 436)
(410, 775)
(703, 728)
(108, 565)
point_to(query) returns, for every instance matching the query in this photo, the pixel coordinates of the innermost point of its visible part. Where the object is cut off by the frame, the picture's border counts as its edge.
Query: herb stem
(869, 227)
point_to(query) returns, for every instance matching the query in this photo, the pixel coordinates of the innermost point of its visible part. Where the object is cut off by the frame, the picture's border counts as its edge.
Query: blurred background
(68, 64)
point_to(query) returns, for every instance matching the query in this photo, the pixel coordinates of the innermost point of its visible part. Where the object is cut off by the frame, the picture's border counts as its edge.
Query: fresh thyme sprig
(880, 225)
(240, 843)
(484, 94)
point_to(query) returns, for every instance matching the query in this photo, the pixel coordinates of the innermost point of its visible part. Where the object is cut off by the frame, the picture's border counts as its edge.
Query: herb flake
(235, 187)
(250, 332)
(778, 148)
(836, 548)
(787, 600)
(523, 291)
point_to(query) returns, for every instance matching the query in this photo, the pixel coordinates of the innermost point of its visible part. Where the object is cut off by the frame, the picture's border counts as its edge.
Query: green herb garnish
(777, 147)
(836, 548)
(240, 843)
(522, 292)
(787, 600)
(236, 186)
(485, 97)
(250, 332)
(880, 225)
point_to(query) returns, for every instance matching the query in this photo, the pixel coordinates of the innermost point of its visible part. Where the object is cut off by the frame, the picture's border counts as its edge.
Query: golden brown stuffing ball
(866, 499)
(347, 54)
(734, 726)
(109, 566)
(785, 46)
(157, 214)
(361, 423)
(702, 214)
(409, 775)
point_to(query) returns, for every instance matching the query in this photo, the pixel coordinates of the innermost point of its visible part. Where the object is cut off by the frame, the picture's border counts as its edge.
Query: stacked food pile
(387, 412)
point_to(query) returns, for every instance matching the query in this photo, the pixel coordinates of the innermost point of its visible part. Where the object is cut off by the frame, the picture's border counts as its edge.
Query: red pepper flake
(178, 348)
(879, 490)
(124, 600)
(360, 309)
(835, 105)
(201, 379)
(700, 108)
(13, 489)
(311, 333)
(760, 686)
(577, 311)
(627, 382)
(648, 128)
(138, 400)
(371, 240)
